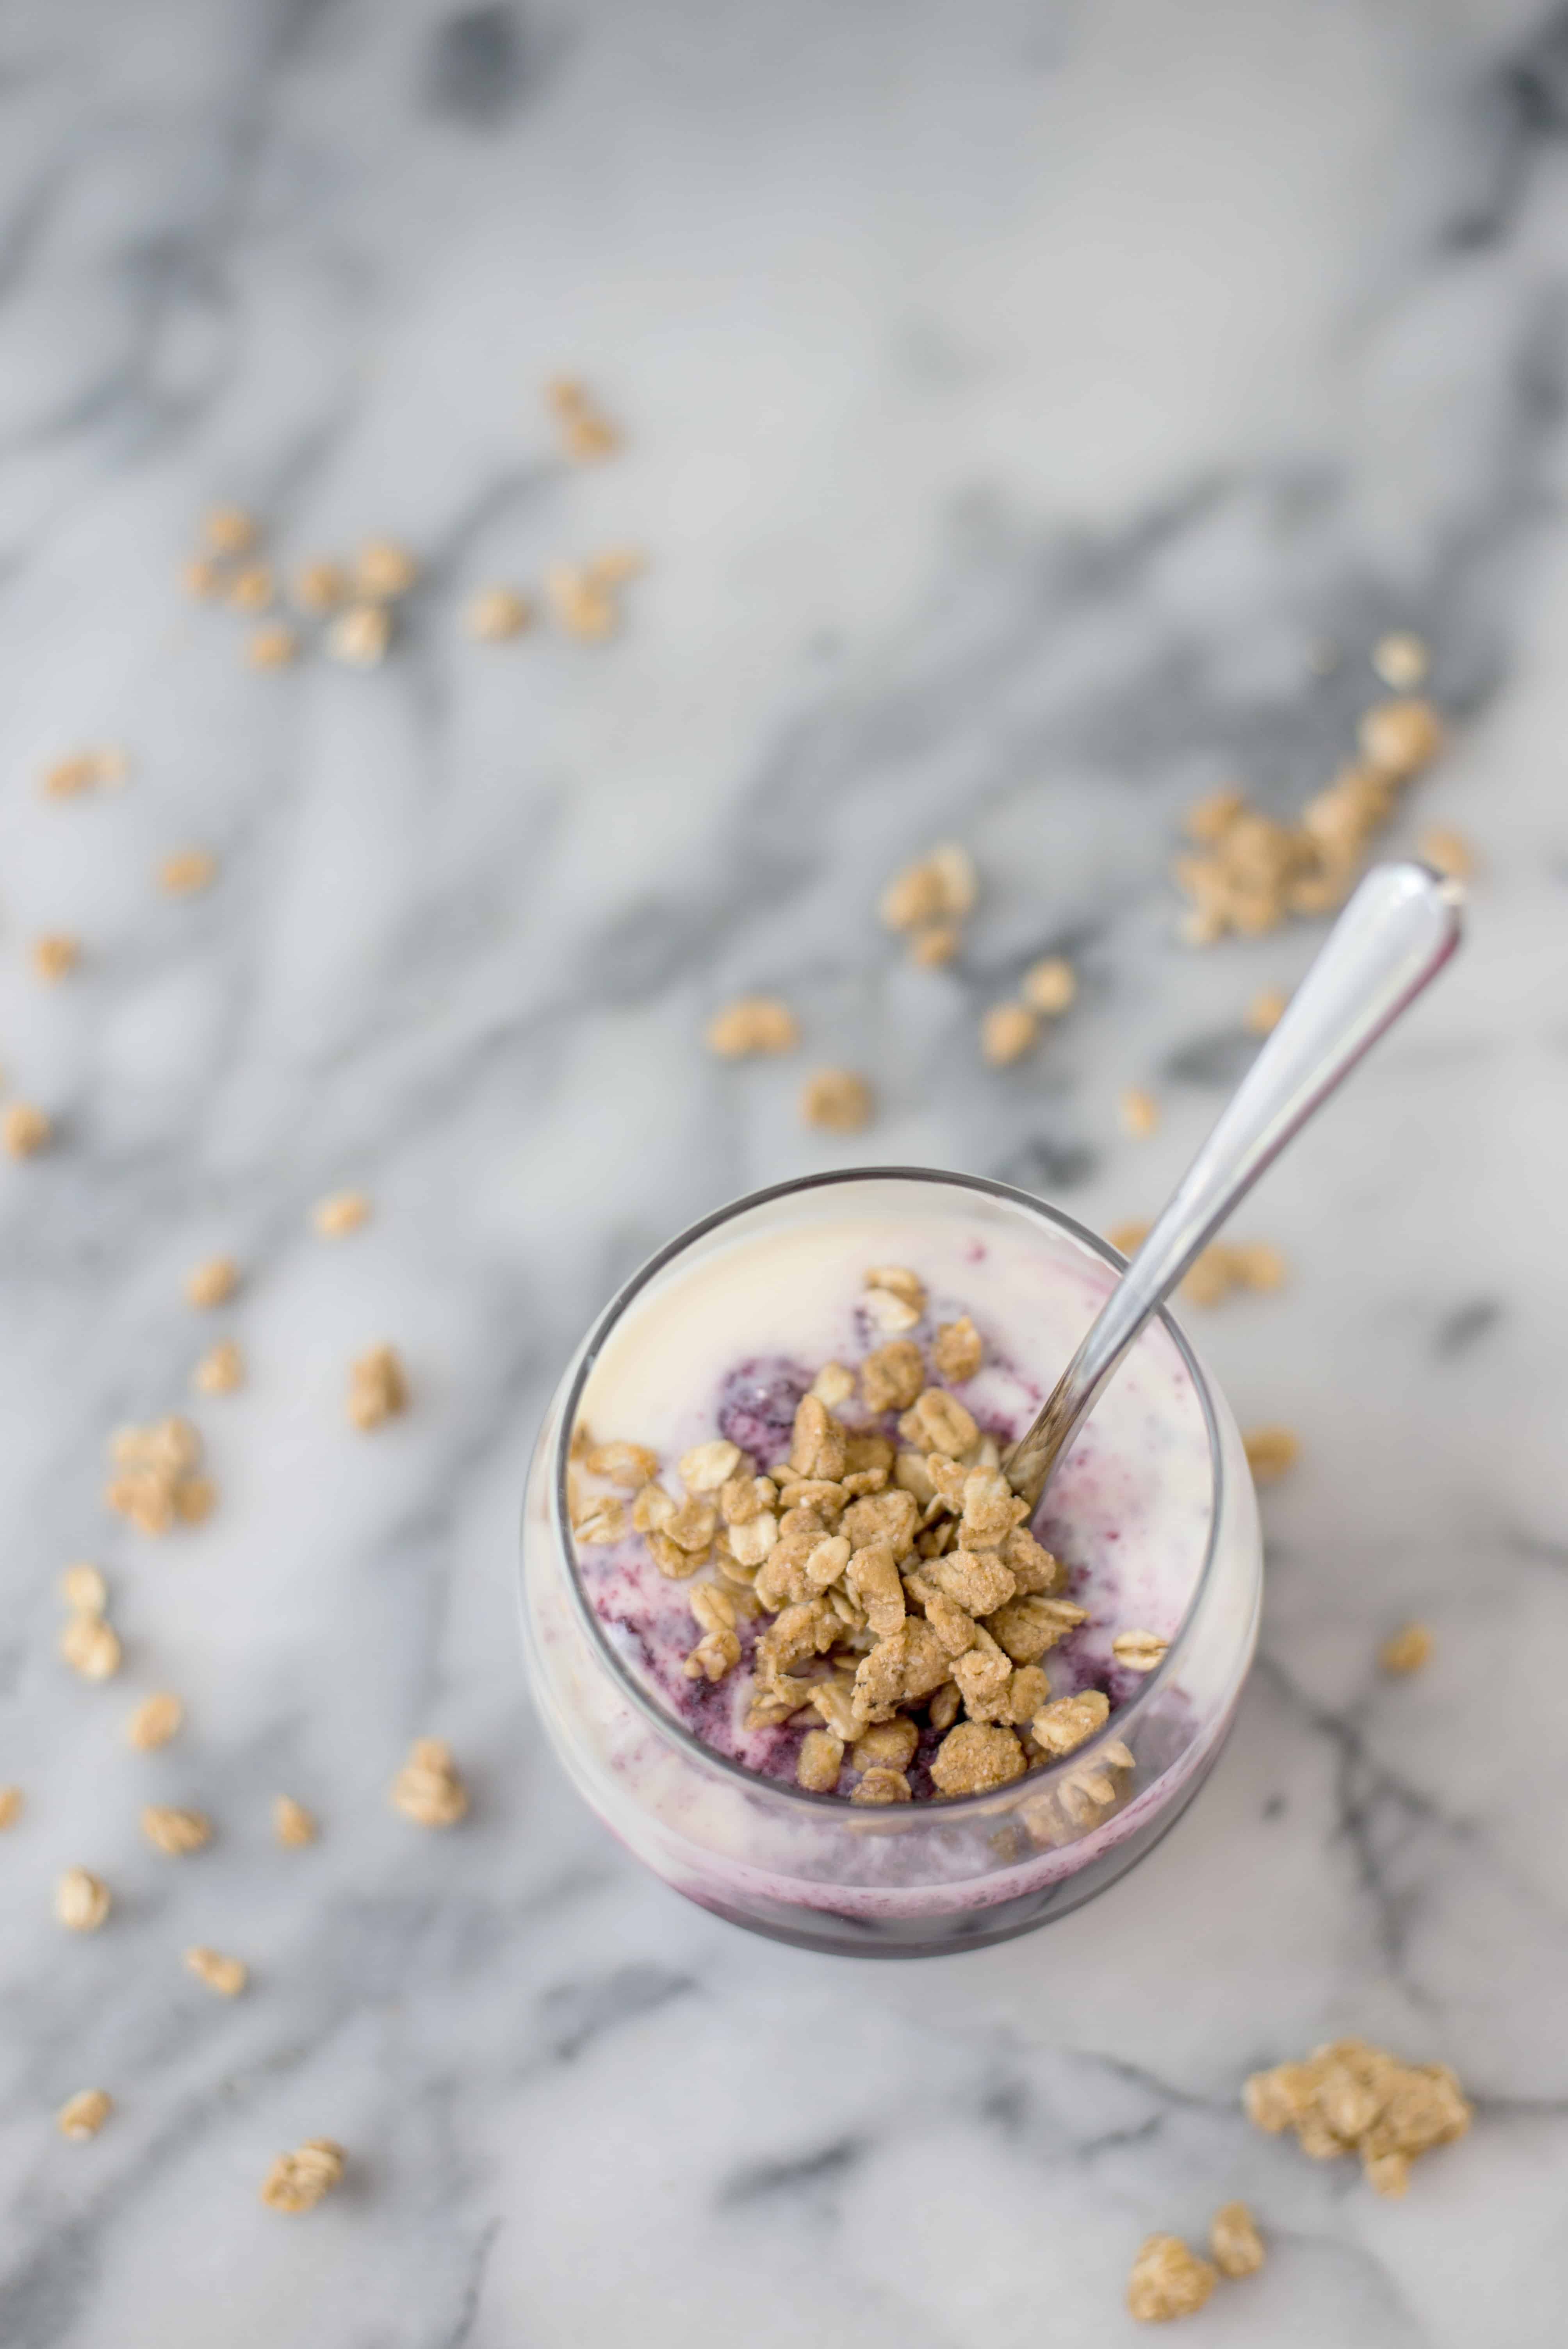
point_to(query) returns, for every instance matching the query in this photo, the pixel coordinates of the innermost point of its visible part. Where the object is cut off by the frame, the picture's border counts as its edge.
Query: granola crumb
(1399, 738)
(320, 586)
(932, 945)
(1258, 1266)
(13, 1802)
(174, 1832)
(427, 1789)
(25, 1130)
(83, 2114)
(187, 872)
(879, 1784)
(202, 578)
(959, 1350)
(1351, 2097)
(581, 602)
(1236, 2246)
(820, 1759)
(221, 1371)
(838, 1101)
(251, 589)
(297, 2181)
(383, 571)
(53, 956)
(752, 1023)
(340, 1213)
(359, 635)
(154, 1483)
(977, 1756)
(1271, 1453)
(1401, 661)
(1139, 1651)
(1408, 1650)
(1446, 851)
(84, 1590)
(82, 1900)
(272, 647)
(495, 615)
(156, 1720)
(1049, 987)
(1007, 1032)
(942, 886)
(1062, 1727)
(90, 1645)
(1127, 1238)
(1139, 1113)
(378, 1388)
(227, 1976)
(84, 771)
(1266, 1010)
(229, 530)
(1168, 2280)
(586, 432)
(292, 1825)
(211, 1282)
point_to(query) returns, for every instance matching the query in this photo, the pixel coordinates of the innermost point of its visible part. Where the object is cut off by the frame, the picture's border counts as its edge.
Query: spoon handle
(1396, 933)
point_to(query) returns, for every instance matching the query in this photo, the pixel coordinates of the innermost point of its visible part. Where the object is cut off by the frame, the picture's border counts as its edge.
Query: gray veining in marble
(1019, 397)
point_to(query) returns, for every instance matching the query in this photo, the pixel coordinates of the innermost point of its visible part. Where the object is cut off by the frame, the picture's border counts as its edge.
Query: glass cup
(910, 1879)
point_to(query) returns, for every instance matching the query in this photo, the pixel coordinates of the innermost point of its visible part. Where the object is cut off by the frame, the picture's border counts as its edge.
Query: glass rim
(653, 1710)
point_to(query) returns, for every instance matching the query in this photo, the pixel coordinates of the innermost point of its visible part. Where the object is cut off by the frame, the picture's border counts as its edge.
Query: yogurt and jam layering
(792, 1632)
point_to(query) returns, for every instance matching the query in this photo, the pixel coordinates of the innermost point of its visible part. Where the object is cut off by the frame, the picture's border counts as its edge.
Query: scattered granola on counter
(12, 1804)
(83, 2114)
(1234, 2243)
(427, 1789)
(297, 2181)
(227, 1976)
(53, 956)
(82, 1900)
(1401, 661)
(211, 1282)
(155, 1485)
(156, 1720)
(1247, 872)
(173, 1832)
(1168, 2280)
(220, 1371)
(752, 1023)
(340, 1213)
(292, 1825)
(1409, 1649)
(378, 1388)
(838, 1101)
(1351, 2098)
(1266, 1010)
(1271, 1453)
(84, 771)
(586, 432)
(1139, 1113)
(25, 1130)
(187, 872)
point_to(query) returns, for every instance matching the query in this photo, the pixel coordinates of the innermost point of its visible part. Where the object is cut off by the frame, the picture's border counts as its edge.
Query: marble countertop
(1018, 399)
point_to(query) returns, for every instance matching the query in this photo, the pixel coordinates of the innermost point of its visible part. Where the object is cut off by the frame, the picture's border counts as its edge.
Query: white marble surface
(1015, 394)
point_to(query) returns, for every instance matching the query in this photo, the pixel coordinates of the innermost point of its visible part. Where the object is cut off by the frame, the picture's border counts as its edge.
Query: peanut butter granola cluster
(879, 1581)
(1351, 2097)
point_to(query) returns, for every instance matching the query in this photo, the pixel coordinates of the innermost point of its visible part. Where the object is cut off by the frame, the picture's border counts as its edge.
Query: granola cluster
(156, 1484)
(879, 1579)
(1351, 2097)
(1247, 872)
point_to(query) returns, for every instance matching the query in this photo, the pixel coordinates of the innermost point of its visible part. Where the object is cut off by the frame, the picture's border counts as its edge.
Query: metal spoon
(1395, 934)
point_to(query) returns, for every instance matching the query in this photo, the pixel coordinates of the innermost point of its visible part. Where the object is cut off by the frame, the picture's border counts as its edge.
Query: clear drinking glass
(911, 1879)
